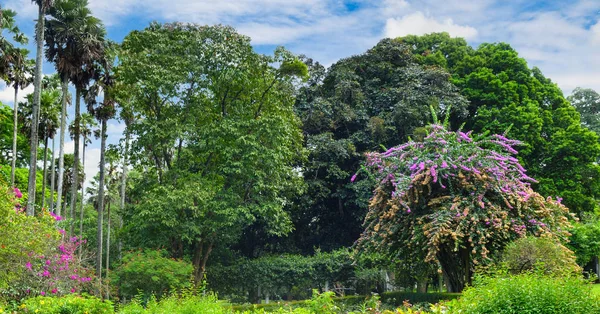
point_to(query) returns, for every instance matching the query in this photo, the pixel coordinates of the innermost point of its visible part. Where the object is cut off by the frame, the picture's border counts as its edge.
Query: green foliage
(187, 304)
(216, 138)
(587, 103)
(6, 139)
(285, 276)
(72, 304)
(527, 293)
(585, 241)
(359, 104)
(543, 255)
(22, 237)
(150, 273)
(503, 91)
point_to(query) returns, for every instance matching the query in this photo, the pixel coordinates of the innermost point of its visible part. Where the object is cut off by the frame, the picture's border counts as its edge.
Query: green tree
(19, 75)
(503, 91)
(75, 41)
(217, 139)
(453, 200)
(6, 139)
(587, 103)
(378, 98)
(43, 6)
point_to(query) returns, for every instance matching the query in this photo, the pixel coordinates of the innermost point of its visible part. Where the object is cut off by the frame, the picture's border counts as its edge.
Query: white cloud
(419, 24)
(7, 94)
(92, 158)
(115, 128)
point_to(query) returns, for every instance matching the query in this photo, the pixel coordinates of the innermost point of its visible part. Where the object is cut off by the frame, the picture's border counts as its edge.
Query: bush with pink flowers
(36, 258)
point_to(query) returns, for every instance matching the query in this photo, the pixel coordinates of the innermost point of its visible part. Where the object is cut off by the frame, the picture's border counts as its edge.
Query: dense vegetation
(422, 164)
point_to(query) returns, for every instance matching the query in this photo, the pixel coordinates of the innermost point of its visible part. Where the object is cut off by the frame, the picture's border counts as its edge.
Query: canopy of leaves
(6, 139)
(587, 102)
(359, 104)
(503, 91)
(215, 135)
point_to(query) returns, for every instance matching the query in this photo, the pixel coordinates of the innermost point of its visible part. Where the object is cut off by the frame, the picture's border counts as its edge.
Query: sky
(561, 37)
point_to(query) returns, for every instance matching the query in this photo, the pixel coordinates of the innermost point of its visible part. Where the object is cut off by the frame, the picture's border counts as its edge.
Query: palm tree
(48, 121)
(43, 6)
(19, 74)
(87, 127)
(74, 40)
(103, 112)
(50, 111)
(7, 22)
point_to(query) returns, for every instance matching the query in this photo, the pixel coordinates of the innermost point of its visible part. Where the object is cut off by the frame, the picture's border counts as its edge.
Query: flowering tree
(452, 199)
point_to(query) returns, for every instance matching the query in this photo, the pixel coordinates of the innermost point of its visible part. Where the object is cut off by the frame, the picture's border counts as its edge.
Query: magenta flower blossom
(18, 193)
(42, 293)
(28, 265)
(54, 291)
(353, 178)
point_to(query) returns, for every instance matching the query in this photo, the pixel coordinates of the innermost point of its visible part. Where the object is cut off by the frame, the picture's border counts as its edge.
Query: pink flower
(28, 265)
(48, 262)
(72, 290)
(46, 273)
(54, 291)
(18, 193)
(62, 231)
(42, 293)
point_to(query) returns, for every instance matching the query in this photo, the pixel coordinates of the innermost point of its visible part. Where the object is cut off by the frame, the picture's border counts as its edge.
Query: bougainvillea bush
(36, 257)
(453, 198)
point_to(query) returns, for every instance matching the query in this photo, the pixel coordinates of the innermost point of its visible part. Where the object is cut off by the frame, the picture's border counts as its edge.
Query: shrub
(188, 304)
(67, 304)
(543, 254)
(150, 273)
(585, 241)
(35, 257)
(527, 293)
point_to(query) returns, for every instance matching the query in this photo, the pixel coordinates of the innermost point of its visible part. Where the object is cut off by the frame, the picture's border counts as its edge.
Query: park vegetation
(421, 176)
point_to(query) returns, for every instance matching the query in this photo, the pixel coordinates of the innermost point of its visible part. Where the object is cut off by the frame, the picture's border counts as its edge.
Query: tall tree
(43, 6)
(216, 132)
(103, 112)
(20, 75)
(503, 91)
(87, 127)
(587, 103)
(74, 40)
(8, 24)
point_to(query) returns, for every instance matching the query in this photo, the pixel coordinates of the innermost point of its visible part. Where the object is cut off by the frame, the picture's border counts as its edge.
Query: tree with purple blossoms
(452, 200)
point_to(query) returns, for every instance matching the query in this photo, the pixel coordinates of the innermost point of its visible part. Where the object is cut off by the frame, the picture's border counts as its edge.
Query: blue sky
(561, 37)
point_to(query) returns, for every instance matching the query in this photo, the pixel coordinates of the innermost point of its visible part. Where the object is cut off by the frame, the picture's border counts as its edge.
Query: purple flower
(444, 164)
(42, 293)
(28, 265)
(421, 166)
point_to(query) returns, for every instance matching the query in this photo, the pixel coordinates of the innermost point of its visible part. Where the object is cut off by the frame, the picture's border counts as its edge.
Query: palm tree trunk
(52, 177)
(107, 249)
(13, 164)
(101, 201)
(61, 154)
(74, 187)
(123, 185)
(82, 191)
(37, 85)
(45, 172)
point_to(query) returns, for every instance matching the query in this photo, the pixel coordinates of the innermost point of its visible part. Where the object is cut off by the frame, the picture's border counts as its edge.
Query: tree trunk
(37, 85)
(123, 185)
(456, 267)
(45, 172)
(52, 177)
(81, 204)
(422, 285)
(74, 187)
(107, 249)
(13, 163)
(101, 202)
(61, 147)
(200, 258)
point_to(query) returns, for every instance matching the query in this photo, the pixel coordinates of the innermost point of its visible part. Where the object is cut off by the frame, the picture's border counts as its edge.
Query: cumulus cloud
(7, 94)
(419, 24)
